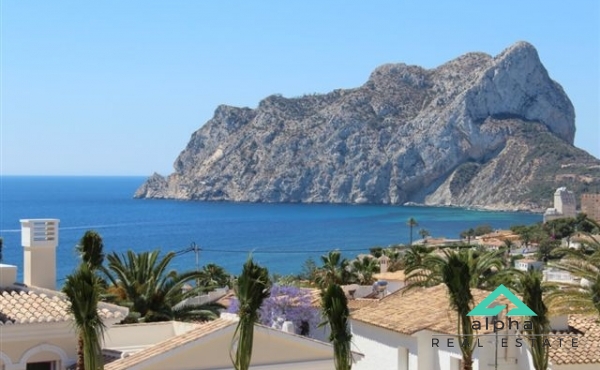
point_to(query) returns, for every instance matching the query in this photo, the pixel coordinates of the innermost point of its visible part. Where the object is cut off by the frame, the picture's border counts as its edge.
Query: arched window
(44, 357)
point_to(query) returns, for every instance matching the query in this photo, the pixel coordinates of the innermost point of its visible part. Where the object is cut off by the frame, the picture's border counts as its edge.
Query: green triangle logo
(482, 308)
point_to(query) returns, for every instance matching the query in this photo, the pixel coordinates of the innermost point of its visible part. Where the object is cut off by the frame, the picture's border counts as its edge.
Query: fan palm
(214, 276)
(415, 254)
(334, 305)
(152, 292)
(335, 270)
(252, 288)
(83, 288)
(459, 271)
(364, 268)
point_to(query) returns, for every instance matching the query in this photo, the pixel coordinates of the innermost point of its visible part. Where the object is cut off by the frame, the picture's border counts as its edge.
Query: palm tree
(83, 288)
(468, 234)
(364, 268)
(424, 233)
(334, 305)
(581, 297)
(396, 262)
(531, 289)
(459, 271)
(415, 254)
(214, 276)
(91, 249)
(411, 224)
(252, 288)
(143, 283)
(335, 270)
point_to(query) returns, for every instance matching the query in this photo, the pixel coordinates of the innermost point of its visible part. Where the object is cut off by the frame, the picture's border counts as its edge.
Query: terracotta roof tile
(409, 311)
(27, 306)
(587, 331)
(396, 275)
(170, 344)
(357, 304)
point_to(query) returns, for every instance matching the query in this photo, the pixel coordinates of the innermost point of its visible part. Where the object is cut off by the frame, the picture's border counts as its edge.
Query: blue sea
(280, 236)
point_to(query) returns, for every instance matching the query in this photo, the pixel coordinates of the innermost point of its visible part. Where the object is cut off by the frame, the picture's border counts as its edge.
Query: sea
(279, 236)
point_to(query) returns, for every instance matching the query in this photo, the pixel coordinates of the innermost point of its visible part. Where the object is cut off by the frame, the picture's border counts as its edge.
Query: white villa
(36, 332)
(411, 331)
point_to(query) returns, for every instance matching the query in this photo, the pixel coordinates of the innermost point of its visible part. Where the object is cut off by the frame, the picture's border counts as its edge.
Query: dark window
(49, 365)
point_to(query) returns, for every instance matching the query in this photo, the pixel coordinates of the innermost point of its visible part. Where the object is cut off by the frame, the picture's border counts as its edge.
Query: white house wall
(382, 348)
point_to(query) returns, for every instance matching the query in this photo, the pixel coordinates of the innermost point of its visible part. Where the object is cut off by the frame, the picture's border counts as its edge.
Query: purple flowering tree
(288, 303)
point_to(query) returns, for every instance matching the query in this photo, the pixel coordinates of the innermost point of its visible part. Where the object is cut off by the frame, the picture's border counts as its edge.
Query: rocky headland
(478, 131)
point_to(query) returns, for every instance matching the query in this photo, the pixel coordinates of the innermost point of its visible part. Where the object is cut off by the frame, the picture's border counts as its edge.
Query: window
(47, 365)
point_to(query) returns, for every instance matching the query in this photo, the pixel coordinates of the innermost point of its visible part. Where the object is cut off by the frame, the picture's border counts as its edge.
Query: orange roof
(587, 331)
(410, 311)
(30, 305)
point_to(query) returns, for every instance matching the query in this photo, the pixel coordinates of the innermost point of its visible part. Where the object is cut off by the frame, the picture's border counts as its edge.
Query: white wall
(137, 336)
(394, 286)
(381, 347)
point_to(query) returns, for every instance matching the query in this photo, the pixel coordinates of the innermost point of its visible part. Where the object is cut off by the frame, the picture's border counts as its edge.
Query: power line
(257, 251)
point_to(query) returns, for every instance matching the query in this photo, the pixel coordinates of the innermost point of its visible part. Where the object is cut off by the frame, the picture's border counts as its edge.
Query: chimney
(39, 238)
(288, 327)
(8, 275)
(384, 262)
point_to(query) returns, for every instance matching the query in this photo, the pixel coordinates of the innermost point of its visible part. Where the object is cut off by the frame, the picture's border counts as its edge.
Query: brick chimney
(39, 238)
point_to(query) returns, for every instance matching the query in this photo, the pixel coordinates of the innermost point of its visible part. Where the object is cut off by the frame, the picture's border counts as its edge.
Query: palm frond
(252, 288)
(334, 305)
(83, 289)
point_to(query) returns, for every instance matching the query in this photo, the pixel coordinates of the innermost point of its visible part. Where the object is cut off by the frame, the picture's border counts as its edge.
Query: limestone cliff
(491, 132)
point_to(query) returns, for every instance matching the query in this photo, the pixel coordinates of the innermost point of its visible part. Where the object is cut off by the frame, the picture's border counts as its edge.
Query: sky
(118, 87)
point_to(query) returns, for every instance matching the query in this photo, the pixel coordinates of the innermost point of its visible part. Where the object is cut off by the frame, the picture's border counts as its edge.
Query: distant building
(590, 205)
(528, 265)
(565, 205)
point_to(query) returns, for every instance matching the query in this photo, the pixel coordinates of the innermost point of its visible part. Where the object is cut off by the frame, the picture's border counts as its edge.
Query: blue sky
(118, 87)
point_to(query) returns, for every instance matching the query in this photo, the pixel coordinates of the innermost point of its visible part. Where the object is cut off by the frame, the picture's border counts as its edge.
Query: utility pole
(196, 249)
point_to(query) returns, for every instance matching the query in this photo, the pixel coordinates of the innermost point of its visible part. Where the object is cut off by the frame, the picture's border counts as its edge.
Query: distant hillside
(482, 131)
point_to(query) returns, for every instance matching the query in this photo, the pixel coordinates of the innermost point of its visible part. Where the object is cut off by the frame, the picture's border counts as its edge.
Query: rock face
(491, 132)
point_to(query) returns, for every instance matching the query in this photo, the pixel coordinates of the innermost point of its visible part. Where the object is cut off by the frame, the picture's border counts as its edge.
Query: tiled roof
(353, 304)
(587, 331)
(410, 311)
(28, 305)
(170, 344)
(396, 275)
(357, 304)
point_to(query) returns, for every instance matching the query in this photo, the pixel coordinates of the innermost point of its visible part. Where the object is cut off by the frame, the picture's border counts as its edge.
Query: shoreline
(405, 205)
